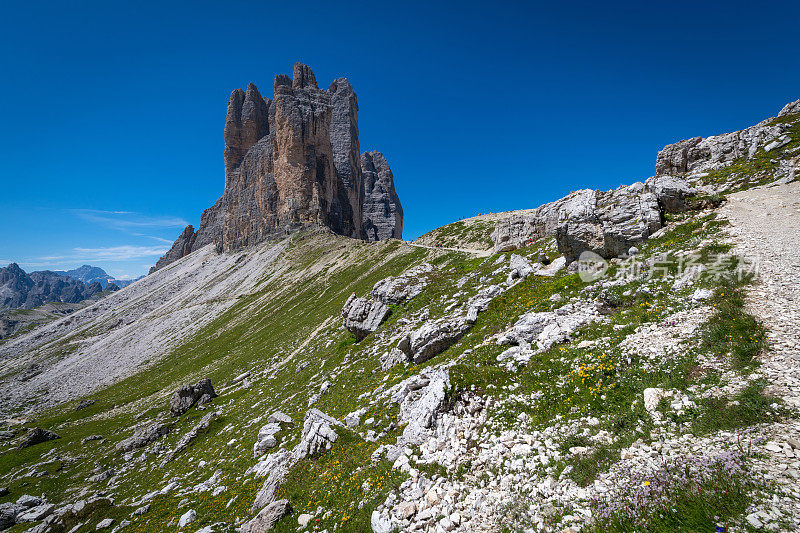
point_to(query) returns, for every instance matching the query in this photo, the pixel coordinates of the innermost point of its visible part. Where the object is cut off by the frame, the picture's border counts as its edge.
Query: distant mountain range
(19, 290)
(90, 274)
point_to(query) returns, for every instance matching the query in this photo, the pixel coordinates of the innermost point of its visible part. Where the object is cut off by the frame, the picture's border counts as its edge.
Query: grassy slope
(263, 329)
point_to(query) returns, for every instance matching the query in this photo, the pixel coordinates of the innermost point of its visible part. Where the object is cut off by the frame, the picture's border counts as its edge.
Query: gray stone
(521, 265)
(275, 467)
(185, 397)
(142, 510)
(380, 524)
(396, 290)
(420, 397)
(480, 302)
(671, 192)
(607, 223)
(37, 436)
(83, 404)
(544, 329)
(144, 435)
(318, 434)
(361, 316)
(522, 229)
(280, 418)
(37, 513)
(392, 358)
(187, 518)
(353, 419)
(8, 514)
(268, 517)
(27, 501)
(266, 438)
(105, 523)
(383, 214)
(434, 337)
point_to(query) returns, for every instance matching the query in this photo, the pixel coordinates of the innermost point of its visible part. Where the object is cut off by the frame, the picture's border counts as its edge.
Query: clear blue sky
(112, 112)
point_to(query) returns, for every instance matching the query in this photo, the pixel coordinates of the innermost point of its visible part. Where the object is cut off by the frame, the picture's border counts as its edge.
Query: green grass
(749, 407)
(721, 497)
(732, 332)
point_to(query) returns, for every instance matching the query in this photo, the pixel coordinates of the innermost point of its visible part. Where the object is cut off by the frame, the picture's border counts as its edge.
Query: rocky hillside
(614, 361)
(19, 290)
(291, 162)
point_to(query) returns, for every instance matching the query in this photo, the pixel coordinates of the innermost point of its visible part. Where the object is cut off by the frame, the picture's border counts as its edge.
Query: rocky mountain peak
(295, 161)
(792, 108)
(19, 289)
(303, 77)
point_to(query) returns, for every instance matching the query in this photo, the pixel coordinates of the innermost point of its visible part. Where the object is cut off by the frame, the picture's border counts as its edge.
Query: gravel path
(766, 228)
(478, 253)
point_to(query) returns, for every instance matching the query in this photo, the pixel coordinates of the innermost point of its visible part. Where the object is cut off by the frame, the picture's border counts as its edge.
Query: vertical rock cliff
(383, 214)
(291, 162)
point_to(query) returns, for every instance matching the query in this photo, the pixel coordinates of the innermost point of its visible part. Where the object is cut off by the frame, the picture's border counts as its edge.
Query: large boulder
(318, 434)
(395, 290)
(268, 517)
(188, 395)
(433, 337)
(607, 223)
(361, 316)
(671, 192)
(37, 436)
(522, 229)
(544, 329)
(144, 435)
(8, 514)
(420, 397)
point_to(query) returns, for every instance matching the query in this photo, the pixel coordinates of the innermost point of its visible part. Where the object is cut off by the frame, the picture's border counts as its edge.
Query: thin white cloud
(119, 253)
(124, 252)
(128, 220)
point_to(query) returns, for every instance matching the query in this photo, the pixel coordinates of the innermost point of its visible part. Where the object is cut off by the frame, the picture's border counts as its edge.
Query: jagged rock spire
(295, 161)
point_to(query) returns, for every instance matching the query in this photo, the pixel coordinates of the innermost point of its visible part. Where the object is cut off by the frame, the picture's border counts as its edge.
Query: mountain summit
(294, 161)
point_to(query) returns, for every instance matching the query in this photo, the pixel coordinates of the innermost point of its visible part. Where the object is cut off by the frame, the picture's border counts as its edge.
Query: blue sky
(112, 113)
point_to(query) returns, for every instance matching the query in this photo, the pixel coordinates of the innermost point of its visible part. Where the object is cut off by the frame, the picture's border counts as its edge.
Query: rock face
(21, 290)
(181, 247)
(383, 214)
(519, 230)
(698, 154)
(291, 162)
(672, 192)
(607, 223)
